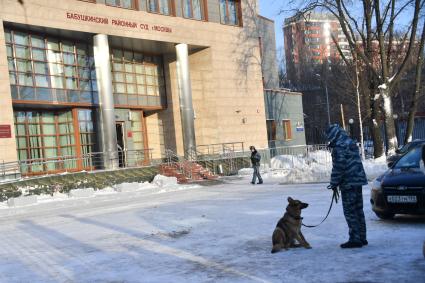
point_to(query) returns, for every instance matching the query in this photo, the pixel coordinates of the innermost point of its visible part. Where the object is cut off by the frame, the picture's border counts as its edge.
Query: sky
(270, 9)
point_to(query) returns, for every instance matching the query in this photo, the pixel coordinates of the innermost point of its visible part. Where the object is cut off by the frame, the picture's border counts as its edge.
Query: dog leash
(335, 196)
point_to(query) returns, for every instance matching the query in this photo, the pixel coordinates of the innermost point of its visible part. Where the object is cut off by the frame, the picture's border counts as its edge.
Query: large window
(127, 4)
(160, 6)
(42, 137)
(50, 69)
(230, 12)
(138, 79)
(194, 9)
(87, 134)
(48, 141)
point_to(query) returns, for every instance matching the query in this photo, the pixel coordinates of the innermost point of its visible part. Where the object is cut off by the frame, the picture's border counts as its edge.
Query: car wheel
(385, 215)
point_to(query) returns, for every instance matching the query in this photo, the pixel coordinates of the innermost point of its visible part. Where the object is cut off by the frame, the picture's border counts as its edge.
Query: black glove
(335, 192)
(332, 187)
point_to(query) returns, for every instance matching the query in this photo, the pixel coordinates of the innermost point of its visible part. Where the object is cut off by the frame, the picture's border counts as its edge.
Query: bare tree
(417, 90)
(376, 30)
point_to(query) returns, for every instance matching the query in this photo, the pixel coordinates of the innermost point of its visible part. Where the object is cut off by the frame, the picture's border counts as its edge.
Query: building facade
(308, 39)
(139, 76)
(284, 108)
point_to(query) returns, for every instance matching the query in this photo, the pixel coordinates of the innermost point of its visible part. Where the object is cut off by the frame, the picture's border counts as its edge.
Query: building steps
(186, 171)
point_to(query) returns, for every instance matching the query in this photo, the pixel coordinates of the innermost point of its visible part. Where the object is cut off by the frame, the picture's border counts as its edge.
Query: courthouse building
(78, 77)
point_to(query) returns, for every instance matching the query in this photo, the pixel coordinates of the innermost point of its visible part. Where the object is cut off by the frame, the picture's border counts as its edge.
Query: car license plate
(401, 199)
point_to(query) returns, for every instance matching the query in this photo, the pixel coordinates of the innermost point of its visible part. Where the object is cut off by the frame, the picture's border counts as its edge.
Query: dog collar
(295, 217)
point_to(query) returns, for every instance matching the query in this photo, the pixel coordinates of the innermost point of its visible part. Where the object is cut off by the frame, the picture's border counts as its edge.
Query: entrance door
(120, 142)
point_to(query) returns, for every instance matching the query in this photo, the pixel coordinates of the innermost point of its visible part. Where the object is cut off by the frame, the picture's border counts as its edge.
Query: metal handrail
(90, 161)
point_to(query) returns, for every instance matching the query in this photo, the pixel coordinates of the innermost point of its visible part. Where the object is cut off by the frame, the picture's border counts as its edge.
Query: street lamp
(327, 98)
(351, 122)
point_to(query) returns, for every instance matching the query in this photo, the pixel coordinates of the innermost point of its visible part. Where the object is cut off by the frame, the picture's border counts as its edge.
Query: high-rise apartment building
(308, 39)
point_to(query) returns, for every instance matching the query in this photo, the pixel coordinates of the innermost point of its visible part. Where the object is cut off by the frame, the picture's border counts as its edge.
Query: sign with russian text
(5, 131)
(117, 22)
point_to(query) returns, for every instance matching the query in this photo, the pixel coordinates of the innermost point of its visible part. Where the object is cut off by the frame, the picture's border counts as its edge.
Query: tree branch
(403, 66)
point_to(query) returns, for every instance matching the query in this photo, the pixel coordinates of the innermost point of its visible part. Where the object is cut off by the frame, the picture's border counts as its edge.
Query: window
(137, 130)
(194, 9)
(313, 24)
(137, 78)
(230, 12)
(42, 137)
(311, 31)
(49, 140)
(49, 69)
(127, 4)
(87, 134)
(163, 7)
(271, 130)
(287, 131)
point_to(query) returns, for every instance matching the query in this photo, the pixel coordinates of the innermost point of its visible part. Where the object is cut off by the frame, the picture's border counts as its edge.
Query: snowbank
(375, 167)
(160, 184)
(316, 167)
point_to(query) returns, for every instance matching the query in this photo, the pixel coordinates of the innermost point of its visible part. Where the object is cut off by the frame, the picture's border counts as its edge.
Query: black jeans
(256, 174)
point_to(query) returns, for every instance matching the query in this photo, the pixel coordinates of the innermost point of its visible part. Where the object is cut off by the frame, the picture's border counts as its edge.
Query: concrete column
(185, 94)
(107, 133)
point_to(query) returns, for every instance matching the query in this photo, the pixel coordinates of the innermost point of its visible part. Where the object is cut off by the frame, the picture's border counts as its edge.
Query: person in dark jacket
(255, 160)
(348, 174)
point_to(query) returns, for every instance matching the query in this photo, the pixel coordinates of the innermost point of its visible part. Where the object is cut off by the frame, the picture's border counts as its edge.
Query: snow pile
(287, 162)
(314, 167)
(375, 167)
(164, 181)
(160, 184)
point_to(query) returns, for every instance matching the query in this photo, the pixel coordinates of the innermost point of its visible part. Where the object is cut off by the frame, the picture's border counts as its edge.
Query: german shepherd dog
(288, 229)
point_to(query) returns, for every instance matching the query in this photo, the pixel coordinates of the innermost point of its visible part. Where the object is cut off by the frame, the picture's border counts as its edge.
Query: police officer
(348, 174)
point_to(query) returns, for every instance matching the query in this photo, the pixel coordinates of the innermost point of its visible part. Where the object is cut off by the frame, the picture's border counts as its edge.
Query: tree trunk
(415, 97)
(391, 138)
(374, 121)
(378, 142)
(410, 123)
(359, 112)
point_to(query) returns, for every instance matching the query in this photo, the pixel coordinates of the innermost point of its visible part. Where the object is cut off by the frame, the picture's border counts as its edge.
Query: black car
(402, 151)
(401, 190)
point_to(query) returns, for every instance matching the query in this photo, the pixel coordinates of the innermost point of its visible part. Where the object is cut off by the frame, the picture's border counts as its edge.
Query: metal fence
(289, 164)
(297, 164)
(87, 162)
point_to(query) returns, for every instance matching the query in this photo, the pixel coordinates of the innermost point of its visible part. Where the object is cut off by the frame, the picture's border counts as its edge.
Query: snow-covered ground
(217, 233)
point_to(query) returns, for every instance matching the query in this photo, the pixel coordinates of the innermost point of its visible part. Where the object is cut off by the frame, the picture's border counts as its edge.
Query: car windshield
(411, 159)
(405, 148)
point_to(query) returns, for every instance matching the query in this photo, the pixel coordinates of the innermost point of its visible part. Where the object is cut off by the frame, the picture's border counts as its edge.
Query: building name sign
(117, 22)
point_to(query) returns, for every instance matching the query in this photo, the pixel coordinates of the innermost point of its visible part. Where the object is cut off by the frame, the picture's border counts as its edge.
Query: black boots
(352, 245)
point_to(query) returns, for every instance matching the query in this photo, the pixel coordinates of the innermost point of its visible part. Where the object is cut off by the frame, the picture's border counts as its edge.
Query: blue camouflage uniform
(348, 174)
